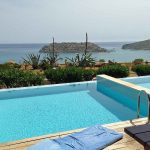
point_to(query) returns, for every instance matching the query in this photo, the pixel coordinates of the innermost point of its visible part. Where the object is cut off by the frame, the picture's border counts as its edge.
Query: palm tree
(32, 60)
(85, 60)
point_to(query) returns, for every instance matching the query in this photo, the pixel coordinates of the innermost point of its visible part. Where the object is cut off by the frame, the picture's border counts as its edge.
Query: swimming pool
(143, 81)
(34, 111)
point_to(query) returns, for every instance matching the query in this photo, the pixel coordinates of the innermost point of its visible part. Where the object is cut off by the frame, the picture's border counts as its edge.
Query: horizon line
(68, 42)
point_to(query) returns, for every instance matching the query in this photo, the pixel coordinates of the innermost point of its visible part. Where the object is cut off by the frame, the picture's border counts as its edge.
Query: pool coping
(45, 86)
(125, 83)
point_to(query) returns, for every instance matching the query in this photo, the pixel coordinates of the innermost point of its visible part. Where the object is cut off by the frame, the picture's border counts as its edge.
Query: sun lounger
(93, 138)
(141, 134)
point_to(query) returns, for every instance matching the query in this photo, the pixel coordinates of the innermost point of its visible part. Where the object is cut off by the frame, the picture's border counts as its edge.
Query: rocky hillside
(142, 45)
(72, 47)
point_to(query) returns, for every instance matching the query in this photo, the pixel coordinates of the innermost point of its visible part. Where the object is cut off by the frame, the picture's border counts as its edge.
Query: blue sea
(17, 52)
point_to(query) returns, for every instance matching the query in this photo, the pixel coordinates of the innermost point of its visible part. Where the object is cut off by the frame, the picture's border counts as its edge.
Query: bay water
(16, 52)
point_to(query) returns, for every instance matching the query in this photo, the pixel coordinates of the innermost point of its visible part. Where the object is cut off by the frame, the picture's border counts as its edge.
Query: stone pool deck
(127, 143)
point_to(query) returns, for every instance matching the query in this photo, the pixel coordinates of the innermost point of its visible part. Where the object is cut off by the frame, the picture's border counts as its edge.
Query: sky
(37, 21)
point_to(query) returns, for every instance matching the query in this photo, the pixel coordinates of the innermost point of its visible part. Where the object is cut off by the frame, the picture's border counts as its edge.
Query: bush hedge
(2, 85)
(17, 78)
(70, 74)
(138, 61)
(9, 65)
(54, 75)
(142, 69)
(114, 70)
(89, 74)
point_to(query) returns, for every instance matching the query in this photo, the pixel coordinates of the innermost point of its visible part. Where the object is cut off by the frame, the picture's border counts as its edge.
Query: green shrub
(88, 74)
(2, 84)
(138, 61)
(5, 66)
(16, 65)
(142, 70)
(17, 78)
(84, 60)
(133, 68)
(33, 60)
(102, 60)
(114, 70)
(73, 74)
(52, 59)
(35, 79)
(70, 74)
(58, 75)
(10, 65)
(54, 75)
(44, 64)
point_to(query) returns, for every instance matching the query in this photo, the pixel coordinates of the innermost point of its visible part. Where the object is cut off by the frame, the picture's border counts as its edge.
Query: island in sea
(72, 47)
(142, 45)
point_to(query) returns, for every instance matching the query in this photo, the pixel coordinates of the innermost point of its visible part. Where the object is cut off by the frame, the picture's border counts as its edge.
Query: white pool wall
(42, 90)
(123, 91)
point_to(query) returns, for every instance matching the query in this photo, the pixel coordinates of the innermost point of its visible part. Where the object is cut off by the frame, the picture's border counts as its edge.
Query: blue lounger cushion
(93, 138)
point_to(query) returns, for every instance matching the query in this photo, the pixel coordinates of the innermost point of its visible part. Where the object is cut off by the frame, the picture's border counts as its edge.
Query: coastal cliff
(72, 47)
(142, 45)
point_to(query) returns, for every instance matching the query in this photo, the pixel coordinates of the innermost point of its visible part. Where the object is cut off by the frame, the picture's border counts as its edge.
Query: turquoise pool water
(30, 112)
(146, 85)
(143, 81)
